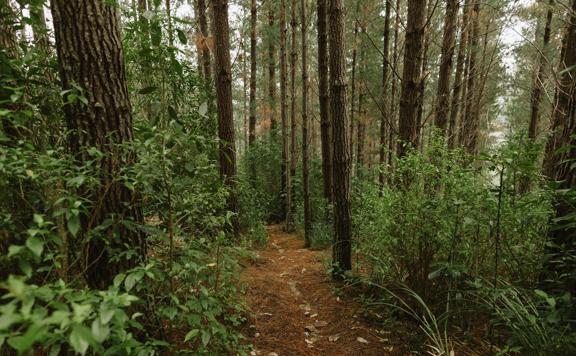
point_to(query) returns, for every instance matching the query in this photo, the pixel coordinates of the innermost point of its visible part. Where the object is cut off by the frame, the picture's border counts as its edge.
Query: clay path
(295, 309)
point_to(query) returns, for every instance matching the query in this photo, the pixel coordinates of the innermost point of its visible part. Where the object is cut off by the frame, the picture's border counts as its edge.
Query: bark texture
(385, 118)
(305, 153)
(253, 73)
(271, 69)
(205, 51)
(342, 247)
(325, 121)
(410, 99)
(448, 42)
(90, 56)
(223, 79)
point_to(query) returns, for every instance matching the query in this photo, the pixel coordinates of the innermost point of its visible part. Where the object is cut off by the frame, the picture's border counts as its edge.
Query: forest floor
(296, 311)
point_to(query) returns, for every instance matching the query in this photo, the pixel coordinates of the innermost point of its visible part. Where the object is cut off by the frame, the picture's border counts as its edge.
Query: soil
(296, 311)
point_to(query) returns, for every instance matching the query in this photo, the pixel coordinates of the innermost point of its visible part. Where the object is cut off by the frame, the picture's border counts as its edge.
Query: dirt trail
(296, 312)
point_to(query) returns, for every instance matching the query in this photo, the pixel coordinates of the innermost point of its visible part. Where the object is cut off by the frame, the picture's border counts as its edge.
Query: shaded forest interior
(287, 177)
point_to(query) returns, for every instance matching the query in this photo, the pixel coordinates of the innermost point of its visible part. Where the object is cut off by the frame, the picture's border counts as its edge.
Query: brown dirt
(296, 312)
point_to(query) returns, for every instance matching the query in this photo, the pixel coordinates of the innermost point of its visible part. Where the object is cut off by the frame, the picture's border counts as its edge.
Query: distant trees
(104, 122)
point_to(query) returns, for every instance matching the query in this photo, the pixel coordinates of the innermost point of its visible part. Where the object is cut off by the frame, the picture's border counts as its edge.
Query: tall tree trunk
(204, 49)
(223, 80)
(271, 69)
(422, 88)
(538, 82)
(385, 118)
(361, 117)
(342, 246)
(305, 138)
(537, 88)
(252, 129)
(283, 115)
(558, 163)
(457, 88)
(325, 122)
(353, 82)
(170, 29)
(392, 139)
(245, 105)
(410, 99)
(80, 27)
(443, 91)
(292, 171)
(470, 125)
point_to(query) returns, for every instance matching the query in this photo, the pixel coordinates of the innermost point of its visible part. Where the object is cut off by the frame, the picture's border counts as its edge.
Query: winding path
(295, 309)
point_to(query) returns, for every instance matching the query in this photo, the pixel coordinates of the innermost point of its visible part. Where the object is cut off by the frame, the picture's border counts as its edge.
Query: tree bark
(205, 50)
(283, 115)
(89, 47)
(252, 119)
(443, 91)
(223, 80)
(325, 122)
(342, 247)
(458, 83)
(292, 171)
(271, 70)
(385, 118)
(410, 99)
(392, 140)
(353, 86)
(470, 124)
(305, 138)
(557, 163)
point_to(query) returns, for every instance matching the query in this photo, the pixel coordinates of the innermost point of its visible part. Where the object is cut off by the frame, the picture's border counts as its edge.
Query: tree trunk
(410, 99)
(538, 82)
(342, 247)
(170, 29)
(252, 129)
(283, 107)
(223, 80)
(558, 164)
(353, 86)
(271, 70)
(305, 164)
(292, 171)
(385, 118)
(80, 27)
(537, 89)
(470, 125)
(325, 122)
(457, 88)
(204, 49)
(443, 91)
(393, 107)
(361, 117)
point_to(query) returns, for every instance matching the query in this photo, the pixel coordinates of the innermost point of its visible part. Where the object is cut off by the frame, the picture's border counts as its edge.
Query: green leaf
(130, 281)
(35, 245)
(73, 224)
(100, 331)
(191, 334)
(23, 343)
(182, 36)
(205, 337)
(203, 109)
(14, 250)
(80, 338)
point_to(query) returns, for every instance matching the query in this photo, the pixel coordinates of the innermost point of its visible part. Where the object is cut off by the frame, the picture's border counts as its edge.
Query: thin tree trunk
(422, 88)
(252, 125)
(342, 247)
(169, 20)
(305, 138)
(271, 70)
(205, 50)
(393, 107)
(292, 171)
(537, 89)
(325, 122)
(283, 106)
(353, 86)
(470, 126)
(80, 27)
(361, 117)
(410, 99)
(223, 81)
(443, 91)
(460, 62)
(245, 104)
(385, 118)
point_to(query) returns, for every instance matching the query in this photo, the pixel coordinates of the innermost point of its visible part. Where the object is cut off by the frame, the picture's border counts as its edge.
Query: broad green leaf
(100, 331)
(73, 224)
(182, 36)
(35, 245)
(203, 109)
(80, 339)
(191, 334)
